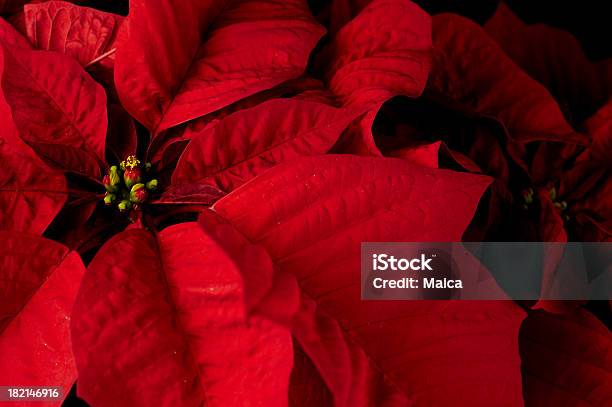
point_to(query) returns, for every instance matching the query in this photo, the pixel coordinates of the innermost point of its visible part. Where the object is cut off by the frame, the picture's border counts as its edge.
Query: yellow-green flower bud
(109, 198)
(152, 185)
(138, 193)
(124, 205)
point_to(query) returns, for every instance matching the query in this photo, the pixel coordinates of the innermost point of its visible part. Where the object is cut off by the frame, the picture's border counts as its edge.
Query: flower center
(528, 197)
(129, 184)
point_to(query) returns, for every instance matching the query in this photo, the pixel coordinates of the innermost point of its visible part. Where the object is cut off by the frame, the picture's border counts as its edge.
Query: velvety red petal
(39, 280)
(164, 320)
(470, 69)
(82, 33)
(554, 58)
(56, 106)
(425, 155)
(175, 64)
(381, 53)
(31, 194)
(312, 214)
(256, 139)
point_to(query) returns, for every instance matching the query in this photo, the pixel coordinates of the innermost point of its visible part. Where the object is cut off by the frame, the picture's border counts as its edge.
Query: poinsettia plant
(184, 187)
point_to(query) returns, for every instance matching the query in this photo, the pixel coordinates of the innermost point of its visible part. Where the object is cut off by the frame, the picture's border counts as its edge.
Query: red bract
(309, 217)
(58, 109)
(383, 52)
(37, 297)
(258, 138)
(31, 194)
(555, 59)
(82, 33)
(206, 161)
(166, 301)
(175, 64)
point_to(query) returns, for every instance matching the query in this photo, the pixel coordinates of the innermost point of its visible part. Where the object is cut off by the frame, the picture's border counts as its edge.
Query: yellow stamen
(131, 162)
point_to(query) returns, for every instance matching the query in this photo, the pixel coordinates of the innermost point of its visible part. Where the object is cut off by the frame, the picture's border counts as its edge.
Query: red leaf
(343, 11)
(587, 187)
(57, 108)
(425, 155)
(554, 58)
(190, 193)
(256, 139)
(37, 295)
(566, 360)
(311, 216)
(550, 222)
(82, 33)
(31, 194)
(161, 319)
(303, 88)
(470, 69)
(10, 36)
(381, 53)
(599, 127)
(178, 63)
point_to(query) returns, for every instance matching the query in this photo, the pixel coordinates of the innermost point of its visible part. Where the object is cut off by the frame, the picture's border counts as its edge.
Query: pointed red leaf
(381, 53)
(10, 36)
(82, 33)
(162, 319)
(425, 155)
(31, 194)
(599, 127)
(470, 69)
(256, 139)
(554, 58)
(566, 360)
(57, 108)
(37, 296)
(312, 215)
(178, 63)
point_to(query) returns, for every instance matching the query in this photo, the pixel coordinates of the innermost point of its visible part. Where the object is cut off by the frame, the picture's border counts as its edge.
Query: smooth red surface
(37, 293)
(470, 68)
(554, 58)
(175, 64)
(163, 320)
(58, 109)
(31, 194)
(383, 52)
(311, 216)
(259, 138)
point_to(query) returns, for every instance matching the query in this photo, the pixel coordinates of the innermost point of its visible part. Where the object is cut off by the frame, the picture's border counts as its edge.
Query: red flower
(215, 165)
